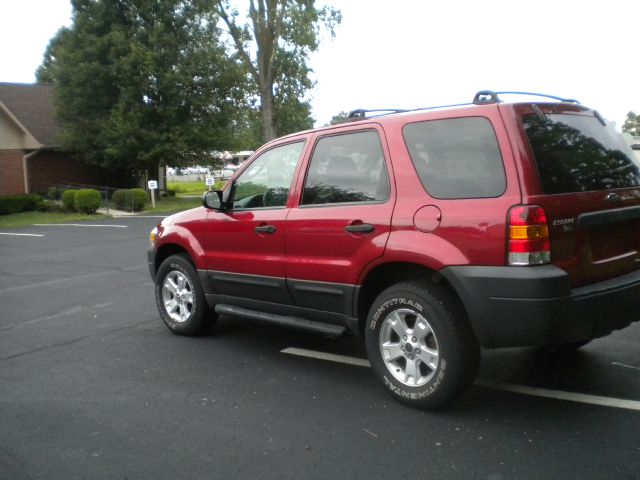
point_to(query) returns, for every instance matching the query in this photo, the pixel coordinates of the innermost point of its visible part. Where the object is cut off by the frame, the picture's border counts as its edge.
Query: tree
(282, 33)
(632, 124)
(143, 82)
(339, 118)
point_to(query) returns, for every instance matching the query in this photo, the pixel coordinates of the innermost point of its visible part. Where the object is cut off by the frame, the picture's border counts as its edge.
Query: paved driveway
(92, 385)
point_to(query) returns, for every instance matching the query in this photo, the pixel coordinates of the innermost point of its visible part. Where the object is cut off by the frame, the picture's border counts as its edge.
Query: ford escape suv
(430, 233)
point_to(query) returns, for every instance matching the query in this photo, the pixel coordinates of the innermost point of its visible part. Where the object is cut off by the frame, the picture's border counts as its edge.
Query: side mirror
(214, 200)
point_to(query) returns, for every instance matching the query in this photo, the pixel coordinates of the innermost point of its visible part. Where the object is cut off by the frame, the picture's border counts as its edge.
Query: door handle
(265, 229)
(360, 228)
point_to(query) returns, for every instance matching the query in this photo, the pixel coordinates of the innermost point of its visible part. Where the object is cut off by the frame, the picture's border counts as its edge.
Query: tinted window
(576, 153)
(266, 182)
(456, 158)
(347, 168)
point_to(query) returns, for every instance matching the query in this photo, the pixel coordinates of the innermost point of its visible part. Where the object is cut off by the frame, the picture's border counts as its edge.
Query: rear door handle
(265, 229)
(360, 228)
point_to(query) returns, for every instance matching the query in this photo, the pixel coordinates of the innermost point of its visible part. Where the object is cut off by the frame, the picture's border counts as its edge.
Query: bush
(69, 200)
(139, 198)
(19, 203)
(131, 200)
(88, 200)
(55, 193)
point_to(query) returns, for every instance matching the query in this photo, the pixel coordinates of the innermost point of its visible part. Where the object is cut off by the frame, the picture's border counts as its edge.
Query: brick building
(30, 158)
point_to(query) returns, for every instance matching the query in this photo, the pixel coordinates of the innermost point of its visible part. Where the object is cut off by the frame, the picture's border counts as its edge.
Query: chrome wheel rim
(177, 296)
(409, 347)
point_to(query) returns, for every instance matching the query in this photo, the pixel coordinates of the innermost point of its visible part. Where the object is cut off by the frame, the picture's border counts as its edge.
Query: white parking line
(562, 395)
(77, 225)
(508, 387)
(331, 357)
(21, 234)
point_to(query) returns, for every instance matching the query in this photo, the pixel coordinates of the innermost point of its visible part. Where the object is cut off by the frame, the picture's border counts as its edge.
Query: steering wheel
(275, 197)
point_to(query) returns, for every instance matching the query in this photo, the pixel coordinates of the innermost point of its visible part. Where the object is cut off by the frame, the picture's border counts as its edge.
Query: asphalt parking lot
(92, 385)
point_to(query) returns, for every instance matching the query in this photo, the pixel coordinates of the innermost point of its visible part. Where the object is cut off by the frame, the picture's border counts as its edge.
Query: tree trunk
(267, 107)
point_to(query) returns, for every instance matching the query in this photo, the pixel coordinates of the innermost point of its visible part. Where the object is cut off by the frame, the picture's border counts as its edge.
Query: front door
(245, 245)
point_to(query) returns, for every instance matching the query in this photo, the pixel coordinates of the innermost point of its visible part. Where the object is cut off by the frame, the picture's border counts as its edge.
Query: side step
(286, 321)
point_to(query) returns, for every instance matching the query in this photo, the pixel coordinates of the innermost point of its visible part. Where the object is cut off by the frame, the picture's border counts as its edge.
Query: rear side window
(576, 153)
(347, 168)
(456, 158)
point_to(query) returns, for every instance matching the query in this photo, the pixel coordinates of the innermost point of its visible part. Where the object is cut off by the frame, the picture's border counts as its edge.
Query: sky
(418, 53)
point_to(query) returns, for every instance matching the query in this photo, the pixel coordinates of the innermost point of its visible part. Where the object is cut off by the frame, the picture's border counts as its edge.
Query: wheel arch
(385, 275)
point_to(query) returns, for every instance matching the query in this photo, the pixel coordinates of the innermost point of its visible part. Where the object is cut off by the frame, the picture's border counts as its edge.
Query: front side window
(266, 182)
(456, 158)
(346, 169)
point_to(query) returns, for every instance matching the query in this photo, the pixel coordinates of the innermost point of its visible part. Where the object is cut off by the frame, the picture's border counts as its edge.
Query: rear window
(456, 158)
(576, 153)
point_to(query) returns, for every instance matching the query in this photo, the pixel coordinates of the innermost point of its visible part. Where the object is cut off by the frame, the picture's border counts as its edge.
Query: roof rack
(484, 97)
(361, 113)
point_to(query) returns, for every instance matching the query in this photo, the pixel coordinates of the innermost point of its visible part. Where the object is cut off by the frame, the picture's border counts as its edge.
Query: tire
(420, 344)
(180, 298)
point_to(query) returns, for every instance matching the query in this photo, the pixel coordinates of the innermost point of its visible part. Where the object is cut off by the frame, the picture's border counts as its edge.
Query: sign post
(153, 186)
(209, 182)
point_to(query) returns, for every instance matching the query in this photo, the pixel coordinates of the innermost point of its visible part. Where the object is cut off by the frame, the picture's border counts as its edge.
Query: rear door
(589, 187)
(342, 221)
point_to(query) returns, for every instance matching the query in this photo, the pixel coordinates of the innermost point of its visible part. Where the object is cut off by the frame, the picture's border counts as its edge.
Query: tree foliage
(632, 124)
(341, 117)
(273, 42)
(143, 82)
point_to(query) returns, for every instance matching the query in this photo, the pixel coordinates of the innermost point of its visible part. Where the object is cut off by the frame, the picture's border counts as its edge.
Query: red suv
(429, 232)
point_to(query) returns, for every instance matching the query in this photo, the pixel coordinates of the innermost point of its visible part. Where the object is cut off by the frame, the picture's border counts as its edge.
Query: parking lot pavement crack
(70, 311)
(57, 281)
(75, 340)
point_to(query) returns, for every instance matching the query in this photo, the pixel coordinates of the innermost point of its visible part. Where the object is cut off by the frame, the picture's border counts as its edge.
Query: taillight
(528, 236)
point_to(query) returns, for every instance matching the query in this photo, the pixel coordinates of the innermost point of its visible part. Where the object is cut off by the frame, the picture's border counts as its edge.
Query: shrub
(19, 203)
(119, 198)
(88, 200)
(131, 200)
(139, 198)
(69, 199)
(55, 193)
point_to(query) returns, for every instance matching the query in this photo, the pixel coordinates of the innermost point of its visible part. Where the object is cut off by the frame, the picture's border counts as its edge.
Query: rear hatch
(589, 186)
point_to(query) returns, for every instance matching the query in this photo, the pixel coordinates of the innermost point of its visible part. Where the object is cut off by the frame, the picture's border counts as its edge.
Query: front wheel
(180, 298)
(420, 344)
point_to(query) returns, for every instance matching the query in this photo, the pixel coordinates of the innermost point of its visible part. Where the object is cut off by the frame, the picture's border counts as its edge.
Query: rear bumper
(529, 306)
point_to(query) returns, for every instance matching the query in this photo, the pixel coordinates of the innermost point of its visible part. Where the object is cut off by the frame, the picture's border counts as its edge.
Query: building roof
(32, 105)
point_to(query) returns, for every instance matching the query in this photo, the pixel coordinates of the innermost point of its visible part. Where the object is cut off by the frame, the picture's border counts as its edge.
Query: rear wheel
(420, 344)
(180, 298)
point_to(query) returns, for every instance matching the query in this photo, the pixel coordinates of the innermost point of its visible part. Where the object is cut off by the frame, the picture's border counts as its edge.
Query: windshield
(576, 153)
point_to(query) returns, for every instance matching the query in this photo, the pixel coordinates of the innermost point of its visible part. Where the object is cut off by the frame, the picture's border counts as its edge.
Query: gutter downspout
(25, 169)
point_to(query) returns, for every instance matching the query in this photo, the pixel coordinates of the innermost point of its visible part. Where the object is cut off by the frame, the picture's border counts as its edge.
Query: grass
(29, 218)
(163, 206)
(173, 204)
(192, 188)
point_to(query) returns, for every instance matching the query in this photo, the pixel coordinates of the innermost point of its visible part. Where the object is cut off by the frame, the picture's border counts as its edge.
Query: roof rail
(484, 97)
(360, 113)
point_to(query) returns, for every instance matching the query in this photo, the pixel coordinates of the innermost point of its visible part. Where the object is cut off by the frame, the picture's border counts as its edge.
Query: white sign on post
(153, 186)
(209, 181)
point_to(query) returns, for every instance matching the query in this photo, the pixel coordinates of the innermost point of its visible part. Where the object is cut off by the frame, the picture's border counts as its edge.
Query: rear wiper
(538, 112)
(599, 117)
